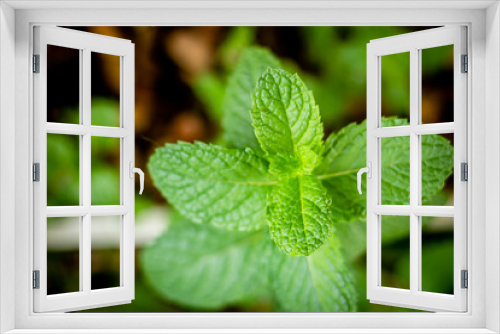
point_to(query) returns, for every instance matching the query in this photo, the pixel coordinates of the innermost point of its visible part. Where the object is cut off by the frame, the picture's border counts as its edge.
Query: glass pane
(395, 238)
(437, 84)
(395, 169)
(63, 84)
(105, 169)
(437, 255)
(437, 163)
(105, 258)
(395, 81)
(63, 170)
(63, 255)
(105, 89)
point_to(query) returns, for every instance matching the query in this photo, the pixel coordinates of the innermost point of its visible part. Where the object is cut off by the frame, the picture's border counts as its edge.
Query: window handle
(138, 171)
(368, 171)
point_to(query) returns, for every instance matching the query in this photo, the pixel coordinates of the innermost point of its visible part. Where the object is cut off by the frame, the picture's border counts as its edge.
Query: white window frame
(16, 216)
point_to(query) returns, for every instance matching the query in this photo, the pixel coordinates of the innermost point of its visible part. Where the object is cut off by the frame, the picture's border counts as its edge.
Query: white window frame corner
(16, 21)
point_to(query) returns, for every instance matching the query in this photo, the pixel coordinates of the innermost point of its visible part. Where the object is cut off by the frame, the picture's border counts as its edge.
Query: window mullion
(85, 166)
(415, 251)
(81, 218)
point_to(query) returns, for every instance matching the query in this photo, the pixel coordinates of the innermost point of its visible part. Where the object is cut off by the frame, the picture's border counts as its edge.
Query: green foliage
(226, 268)
(105, 175)
(437, 164)
(237, 42)
(299, 215)
(318, 283)
(236, 121)
(206, 267)
(211, 184)
(336, 68)
(433, 59)
(105, 112)
(277, 170)
(443, 249)
(63, 170)
(210, 89)
(395, 79)
(286, 119)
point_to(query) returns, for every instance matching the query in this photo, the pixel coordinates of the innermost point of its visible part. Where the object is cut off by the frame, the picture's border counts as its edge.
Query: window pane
(395, 238)
(395, 77)
(105, 258)
(437, 160)
(63, 84)
(395, 170)
(105, 162)
(437, 84)
(63, 170)
(63, 255)
(105, 89)
(437, 255)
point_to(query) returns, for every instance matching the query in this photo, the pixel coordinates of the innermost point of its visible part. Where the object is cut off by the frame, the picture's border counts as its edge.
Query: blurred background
(180, 78)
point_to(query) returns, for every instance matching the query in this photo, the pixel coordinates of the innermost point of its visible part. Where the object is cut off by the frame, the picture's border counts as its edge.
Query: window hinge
(36, 63)
(36, 172)
(36, 279)
(464, 172)
(465, 64)
(465, 279)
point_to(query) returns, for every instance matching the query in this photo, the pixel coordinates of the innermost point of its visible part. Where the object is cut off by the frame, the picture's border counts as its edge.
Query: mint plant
(266, 203)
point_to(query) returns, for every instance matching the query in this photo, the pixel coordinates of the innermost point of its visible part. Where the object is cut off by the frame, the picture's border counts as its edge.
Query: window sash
(413, 43)
(86, 297)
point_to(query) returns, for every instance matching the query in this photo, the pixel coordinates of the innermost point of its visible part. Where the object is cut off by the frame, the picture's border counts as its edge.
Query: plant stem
(329, 176)
(320, 177)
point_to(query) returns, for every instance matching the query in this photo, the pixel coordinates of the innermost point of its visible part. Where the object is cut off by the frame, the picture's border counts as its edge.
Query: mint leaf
(286, 119)
(236, 121)
(437, 164)
(206, 267)
(237, 41)
(345, 154)
(318, 283)
(211, 184)
(298, 215)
